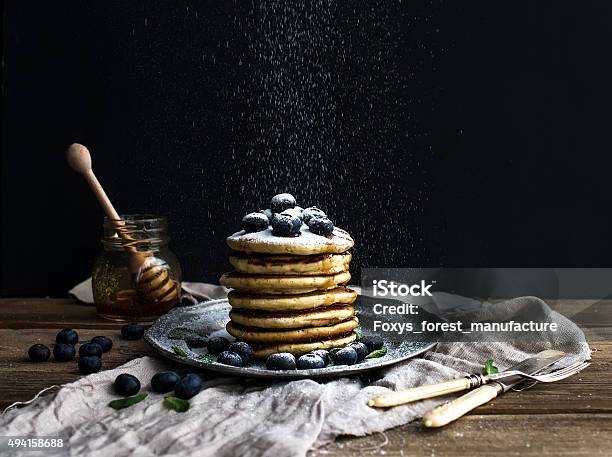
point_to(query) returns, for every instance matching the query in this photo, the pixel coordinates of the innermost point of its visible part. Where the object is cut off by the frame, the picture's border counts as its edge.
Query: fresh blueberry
(188, 387)
(63, 352)
(230, 358)
(104, 341)
(311, 212)
(297, 212)
(281, 361)
(126, 385)
(255, 222)
(243, 350)
(268, 213)
(90, 349)
(39, 353)
(281, 202)
(346, 356)
(286, 225)
(90, 364)
(321, 226)
(323, 354)
(67, 336)
(164, 381)
(132, 331)
(217, 344)
(373, 342)
(309, 361)
(361, 350)
(187, 300)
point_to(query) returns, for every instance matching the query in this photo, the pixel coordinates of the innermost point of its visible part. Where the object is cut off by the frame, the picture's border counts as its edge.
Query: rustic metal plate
(209, 319)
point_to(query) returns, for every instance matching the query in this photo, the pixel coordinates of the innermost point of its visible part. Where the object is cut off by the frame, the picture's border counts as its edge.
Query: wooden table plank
(553, 435)
(571, 417)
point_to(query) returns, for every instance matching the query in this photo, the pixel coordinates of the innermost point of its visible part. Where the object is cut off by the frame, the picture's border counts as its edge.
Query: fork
(558, 375)
(468, 382)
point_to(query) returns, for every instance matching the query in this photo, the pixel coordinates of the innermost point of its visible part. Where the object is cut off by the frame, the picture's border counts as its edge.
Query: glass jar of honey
(137, 276)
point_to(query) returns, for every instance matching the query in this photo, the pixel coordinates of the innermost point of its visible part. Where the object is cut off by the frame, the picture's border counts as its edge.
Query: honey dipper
(151, 274)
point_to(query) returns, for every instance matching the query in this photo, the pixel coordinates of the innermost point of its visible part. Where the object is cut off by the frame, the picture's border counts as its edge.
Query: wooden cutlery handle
(453, 410)
(419, 393)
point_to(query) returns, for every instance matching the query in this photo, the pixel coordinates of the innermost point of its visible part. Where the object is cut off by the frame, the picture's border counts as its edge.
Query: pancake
(338, 295)
(264, 350)
(276, 264)
(303, 335)
(286, 320)
(306, 243)
(271, 284)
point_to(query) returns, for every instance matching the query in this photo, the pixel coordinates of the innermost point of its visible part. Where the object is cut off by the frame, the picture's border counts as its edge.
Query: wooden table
(572, 417)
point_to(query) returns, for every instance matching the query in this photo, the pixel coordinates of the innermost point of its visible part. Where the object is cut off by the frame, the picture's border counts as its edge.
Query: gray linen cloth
(235, 417)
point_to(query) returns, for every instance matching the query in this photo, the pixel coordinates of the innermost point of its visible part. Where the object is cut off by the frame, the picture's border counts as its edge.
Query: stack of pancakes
(288, 292)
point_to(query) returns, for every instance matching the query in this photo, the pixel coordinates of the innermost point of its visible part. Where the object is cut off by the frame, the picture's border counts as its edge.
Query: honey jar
(136, 276)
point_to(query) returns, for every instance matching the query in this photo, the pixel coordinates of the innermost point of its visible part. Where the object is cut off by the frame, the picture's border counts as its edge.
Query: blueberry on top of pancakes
(286, 225)
(295, 211)
(255, 222)
(321, 226)
(281, 202)
(268, 213)
(313, 211)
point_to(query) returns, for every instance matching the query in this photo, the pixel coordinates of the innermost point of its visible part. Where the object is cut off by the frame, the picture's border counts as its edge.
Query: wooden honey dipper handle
(80, 160)
(152, 277)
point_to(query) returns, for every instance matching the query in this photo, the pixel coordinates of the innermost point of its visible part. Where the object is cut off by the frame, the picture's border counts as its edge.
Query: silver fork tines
(563, 373)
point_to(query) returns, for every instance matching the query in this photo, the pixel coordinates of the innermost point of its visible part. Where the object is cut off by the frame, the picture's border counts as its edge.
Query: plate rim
(245, 372)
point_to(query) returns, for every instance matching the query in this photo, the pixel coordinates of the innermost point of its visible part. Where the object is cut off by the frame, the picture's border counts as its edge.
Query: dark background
(438, 134)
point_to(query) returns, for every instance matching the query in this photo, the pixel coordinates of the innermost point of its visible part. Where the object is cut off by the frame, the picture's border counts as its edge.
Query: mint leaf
(332, 352)
(377, 353)
(357, 332)
(191, 337)
(489, 368)
(207, 358)
(128, 401)
(176, 404)
(178, 351)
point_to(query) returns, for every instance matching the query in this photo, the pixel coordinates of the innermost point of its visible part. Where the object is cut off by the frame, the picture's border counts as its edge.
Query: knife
(454, 409)
(538, 362)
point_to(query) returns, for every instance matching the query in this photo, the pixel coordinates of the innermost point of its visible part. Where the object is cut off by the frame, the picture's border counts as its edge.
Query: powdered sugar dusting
(307, 240)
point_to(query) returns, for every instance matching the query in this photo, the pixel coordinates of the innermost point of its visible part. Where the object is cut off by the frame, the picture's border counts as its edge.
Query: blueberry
(373, 342)
(297, 212)
(132, 331)
(309, 361)
(90, 364)
(313, 211)
(126, 385)
(39, 353)
(230, 358)
(164, 381)
(217, 344)
(255, 222)
(268, 213)
(188, 387)
(346, 356)
(361, 350)
(323, 354)
(63, 352)
(286, 225)
(104, 341)
(281, 202)
(321, 226)
(187, 300)
(243, 350)
(90, 349)
(67, 336)
(281, 361)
